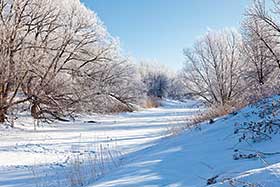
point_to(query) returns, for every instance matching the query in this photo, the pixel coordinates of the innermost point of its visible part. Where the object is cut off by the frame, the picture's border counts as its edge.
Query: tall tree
(213, 67)
(49, 48)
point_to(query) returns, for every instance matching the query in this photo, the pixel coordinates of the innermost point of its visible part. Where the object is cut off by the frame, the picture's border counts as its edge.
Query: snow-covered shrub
(267, 124)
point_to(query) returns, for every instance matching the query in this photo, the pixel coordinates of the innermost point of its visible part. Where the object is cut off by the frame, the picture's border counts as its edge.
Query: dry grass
(175, 131)
(119, 108)
(213, 112)
(151, 102)
(204, 115)
(90, 167)
(82, 167)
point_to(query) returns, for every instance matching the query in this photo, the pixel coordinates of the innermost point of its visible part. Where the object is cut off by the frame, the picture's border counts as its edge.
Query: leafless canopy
(57, 56)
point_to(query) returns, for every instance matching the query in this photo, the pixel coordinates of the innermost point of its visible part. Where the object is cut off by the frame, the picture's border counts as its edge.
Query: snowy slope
(44, 158)
(192, 158)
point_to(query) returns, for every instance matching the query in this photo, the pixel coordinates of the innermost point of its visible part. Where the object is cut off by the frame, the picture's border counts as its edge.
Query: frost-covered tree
(49, 48)
(257, 54)
(213, 68)
(263, 23)
(109, 86)
(160, 82)
(261, 34)
(19, 22)
(177, 89)
(155, 78)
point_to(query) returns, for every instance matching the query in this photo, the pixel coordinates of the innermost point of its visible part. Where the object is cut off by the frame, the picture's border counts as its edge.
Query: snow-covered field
(139, 151)
(41, 158)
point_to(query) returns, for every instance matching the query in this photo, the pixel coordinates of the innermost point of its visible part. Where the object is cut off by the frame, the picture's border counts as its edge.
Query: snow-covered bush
(261, 129)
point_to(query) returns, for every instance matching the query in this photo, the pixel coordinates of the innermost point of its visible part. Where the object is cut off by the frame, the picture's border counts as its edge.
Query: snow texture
(145, 154)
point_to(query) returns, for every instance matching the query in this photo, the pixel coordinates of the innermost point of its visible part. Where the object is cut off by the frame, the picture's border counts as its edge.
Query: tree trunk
(2, 116)
(35, 110)
(35, 114)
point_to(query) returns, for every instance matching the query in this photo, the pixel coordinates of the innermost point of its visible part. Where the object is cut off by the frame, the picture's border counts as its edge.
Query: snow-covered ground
(143, 154)
(198, 156)
(41, 158)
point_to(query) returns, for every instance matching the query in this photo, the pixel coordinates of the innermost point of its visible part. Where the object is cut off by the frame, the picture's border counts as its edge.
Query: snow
(145, 154)
(197, 155)
(29, 158)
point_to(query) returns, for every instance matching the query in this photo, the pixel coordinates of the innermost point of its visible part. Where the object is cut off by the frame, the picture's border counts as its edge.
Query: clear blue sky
(160, 29)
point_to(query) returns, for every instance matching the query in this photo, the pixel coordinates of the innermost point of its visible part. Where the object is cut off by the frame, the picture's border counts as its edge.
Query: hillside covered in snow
(214, 155)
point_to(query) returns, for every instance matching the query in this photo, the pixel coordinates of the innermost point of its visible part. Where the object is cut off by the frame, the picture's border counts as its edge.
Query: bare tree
(48, 50)
(261, 34)
(111, 85)
(265, 27)
(156, 79)
(257, 54)
(213, 67)
(19, 20)
(177, 89)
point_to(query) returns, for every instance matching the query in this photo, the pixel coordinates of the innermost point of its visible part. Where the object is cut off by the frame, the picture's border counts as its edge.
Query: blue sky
(160, 29)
